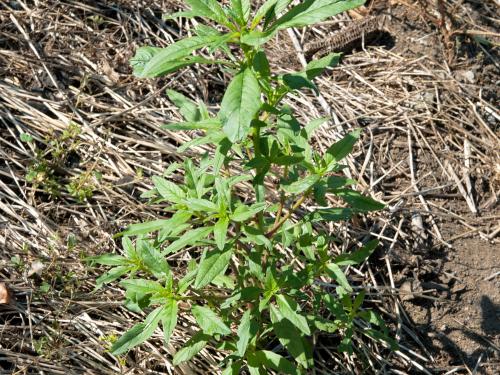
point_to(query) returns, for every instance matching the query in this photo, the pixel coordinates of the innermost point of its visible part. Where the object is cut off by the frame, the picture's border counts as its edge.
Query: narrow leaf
(247, 329)
(358, 256)
(359, 201)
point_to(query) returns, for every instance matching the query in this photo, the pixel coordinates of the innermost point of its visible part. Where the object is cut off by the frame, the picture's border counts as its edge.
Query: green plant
(256, 290)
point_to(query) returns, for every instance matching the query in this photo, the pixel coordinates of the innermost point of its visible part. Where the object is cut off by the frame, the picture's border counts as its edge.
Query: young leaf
(242, 10)
(293, 340)
(314, 11)
(209, 9)
(358, 256)
(330, 214)
(302, 185)
(179, 218)
(209, 322)
(153, 260)
(243, 212)
(341, 149)
(359, 201)
(261, 64)
(271, 360)
(169, 319)
(168, 59)
(202, 205)
(240, 104)
(142, 286)
(192, 347)
(109, 260)
(204, 124)
(110, 276)
(187, 108)
(289, 309)
(138, 333)
(212, 264)
(188, 238)
(270, 9)
(142, 56)
(220, 232)
(168, 190)
(247, 330)
(336, 273)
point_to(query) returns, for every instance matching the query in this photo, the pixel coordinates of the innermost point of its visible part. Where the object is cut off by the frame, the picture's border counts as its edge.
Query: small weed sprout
(254, 289)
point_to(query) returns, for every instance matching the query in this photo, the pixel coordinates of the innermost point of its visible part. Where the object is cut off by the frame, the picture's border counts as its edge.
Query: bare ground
(426, 94)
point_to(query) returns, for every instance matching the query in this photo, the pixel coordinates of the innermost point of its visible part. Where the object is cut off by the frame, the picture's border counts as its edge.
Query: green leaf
(191, 348)
(336, 273)
(180, 217)
(261, 64)
(289, 308)
(169, 319)
(205, 124)
(242, 10)
(109, 260)
(142, 56)
(153, 261)
(233, 368)
(247, 330)
(138, 333)
(220, 232)
(185, 14)
(302, 185)
(212, 264)
(209, 321)
(341, 149)
(169, 58)
(142, 286)
(313, 11)
(271, 360)
(243, 212)
(187, 108)
(202, 205)
(269, 9)
(212, 137)
(240, 104)
(188, 238)
(359, 201)
(316, 67)
(293, 340)
(330, 214)
(168, 190)
(209, 9)
(110, 276)
(358, 256)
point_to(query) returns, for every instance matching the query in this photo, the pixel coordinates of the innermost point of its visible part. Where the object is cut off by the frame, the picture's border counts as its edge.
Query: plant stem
(287, 216)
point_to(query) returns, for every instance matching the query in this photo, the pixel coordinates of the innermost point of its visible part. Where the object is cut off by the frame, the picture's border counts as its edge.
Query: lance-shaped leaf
(213, 263)
(169, 319)
(209, 321)
(290, 310)
(247, 330)
(170, 58)
(358, 201)
(336, 273)
(189, 109)
(341, 149)
(192, 347)
(220, 232)
(210, 9)
(241, 9)
(271, 360)
(188, 238)
(358, 256)
(240, 104)
(138, 333)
